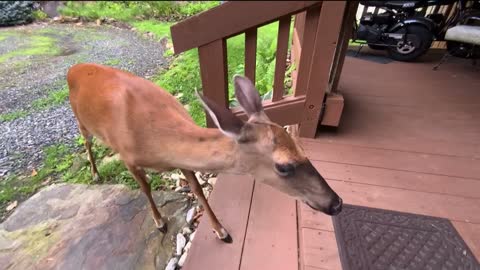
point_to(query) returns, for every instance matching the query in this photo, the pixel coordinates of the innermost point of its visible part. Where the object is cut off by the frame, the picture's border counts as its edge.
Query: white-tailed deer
(150, 129)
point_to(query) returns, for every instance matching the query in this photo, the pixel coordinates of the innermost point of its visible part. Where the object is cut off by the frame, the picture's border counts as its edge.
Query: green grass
(62, 165)
(158, 28)
(34, 45)
(6, 117)
(54, 98)
(39, 15)
(135, 10)
(112, 62)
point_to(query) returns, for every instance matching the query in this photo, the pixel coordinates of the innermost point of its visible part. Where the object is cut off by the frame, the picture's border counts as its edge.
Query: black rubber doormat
(376, 239)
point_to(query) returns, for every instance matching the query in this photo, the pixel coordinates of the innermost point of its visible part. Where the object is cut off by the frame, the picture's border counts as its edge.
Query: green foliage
(39, 15)
(135, 10)
(183, 76)
(159, 29)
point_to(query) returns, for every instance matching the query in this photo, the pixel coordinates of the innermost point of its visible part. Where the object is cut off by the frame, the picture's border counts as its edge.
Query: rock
(176, 176)
(182, 259)
(192, 236)
(190, 214)
(172, 264)
(182, 189)
(134, 29)
(98, 22)
(181, 241)
(186, 230)
(206, 192)
(187, 246)
(179, 95)
(102, 227)
(212, 181)
(11, 206)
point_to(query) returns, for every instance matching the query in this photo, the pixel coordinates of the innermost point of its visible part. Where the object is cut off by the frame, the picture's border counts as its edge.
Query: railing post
(346, 32)
(213, 70)
(327, 35)
(307, 46)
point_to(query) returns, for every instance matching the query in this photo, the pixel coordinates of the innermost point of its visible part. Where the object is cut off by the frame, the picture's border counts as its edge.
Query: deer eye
(285, 170)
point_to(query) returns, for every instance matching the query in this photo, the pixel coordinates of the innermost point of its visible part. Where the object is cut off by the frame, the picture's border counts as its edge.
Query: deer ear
(224, 119)
(247, 95)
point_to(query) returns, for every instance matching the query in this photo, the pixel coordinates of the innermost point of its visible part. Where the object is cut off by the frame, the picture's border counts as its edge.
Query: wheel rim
(405, 47)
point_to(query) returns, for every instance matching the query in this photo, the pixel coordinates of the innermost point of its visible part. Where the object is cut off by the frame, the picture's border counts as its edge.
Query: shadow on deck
(408, 141)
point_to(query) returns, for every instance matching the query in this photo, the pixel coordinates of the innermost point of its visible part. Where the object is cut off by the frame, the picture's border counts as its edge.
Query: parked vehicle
(463, 15)
(405, 33)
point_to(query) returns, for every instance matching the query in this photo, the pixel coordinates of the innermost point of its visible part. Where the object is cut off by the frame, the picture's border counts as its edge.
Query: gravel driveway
(25, 79)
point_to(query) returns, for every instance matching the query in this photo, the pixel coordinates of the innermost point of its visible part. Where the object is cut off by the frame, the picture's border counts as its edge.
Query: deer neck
(210, 150)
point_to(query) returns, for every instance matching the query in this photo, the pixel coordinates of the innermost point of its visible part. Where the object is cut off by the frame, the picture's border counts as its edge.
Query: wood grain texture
(213, 70)
(271, 240)
(281, 58)
(230, 200)
(229, 19)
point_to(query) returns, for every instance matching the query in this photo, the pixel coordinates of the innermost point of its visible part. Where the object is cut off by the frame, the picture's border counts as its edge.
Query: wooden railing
(316, 59)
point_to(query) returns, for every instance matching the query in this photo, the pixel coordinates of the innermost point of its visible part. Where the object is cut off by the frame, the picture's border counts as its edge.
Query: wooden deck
(408, 141)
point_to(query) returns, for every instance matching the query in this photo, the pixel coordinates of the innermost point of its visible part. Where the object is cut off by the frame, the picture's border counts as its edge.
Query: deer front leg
(222, 234)
(141, 178)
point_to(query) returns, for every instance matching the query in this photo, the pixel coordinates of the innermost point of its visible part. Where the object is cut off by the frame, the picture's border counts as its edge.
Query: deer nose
(336, 207)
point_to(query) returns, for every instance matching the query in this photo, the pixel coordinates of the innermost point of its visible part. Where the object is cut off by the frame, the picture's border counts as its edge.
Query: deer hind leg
(141, 178)
(88, 145)
(222, 234)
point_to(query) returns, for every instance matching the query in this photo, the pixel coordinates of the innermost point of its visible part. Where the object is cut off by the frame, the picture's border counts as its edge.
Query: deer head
(268, 153)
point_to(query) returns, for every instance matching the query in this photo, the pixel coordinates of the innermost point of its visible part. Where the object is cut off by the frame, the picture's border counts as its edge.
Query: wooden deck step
(261, 221)
(394, 160)
(230, 200)
(271, 241)
(430, 183)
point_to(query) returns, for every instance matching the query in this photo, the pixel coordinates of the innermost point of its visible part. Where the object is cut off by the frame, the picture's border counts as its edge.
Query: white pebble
(186, 230)
(190, 214)
(172, 264)
(181, 241)
(182, 259)
(212, 181)
(192, 236)
(187, 246)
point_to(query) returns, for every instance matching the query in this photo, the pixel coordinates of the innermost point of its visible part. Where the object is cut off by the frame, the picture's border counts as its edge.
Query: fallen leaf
(34, 172)
(12, 206)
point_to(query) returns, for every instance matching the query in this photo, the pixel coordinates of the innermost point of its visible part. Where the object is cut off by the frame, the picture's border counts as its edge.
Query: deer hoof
(224, 236)
(228, 239)
(163, 228)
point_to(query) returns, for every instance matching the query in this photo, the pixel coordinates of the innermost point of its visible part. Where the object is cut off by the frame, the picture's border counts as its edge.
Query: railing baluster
(311, 22)
(281, 58)
(250, 53)
(213, 70)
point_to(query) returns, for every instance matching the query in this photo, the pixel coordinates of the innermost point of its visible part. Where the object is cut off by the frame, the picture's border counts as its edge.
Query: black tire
(463, 50)
(16, 12)
(376, 47)
(419, 37)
